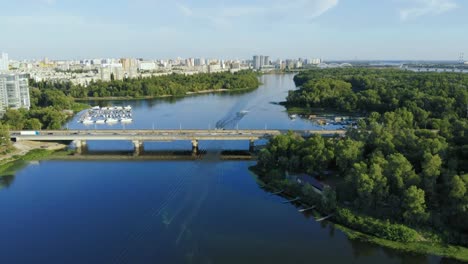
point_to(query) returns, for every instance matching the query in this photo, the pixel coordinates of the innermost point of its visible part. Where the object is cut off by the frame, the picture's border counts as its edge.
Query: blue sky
(330, 29)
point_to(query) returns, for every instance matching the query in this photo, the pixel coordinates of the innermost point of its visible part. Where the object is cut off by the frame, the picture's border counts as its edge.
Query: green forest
(168, 85)
(50, 108)
(402, 172)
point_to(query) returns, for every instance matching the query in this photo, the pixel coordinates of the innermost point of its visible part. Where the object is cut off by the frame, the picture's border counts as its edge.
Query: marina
(107, 115)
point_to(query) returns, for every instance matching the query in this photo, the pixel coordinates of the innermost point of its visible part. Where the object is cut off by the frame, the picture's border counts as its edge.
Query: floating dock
(278, 192)
(324, 218)
(292, 200)
(307, 209)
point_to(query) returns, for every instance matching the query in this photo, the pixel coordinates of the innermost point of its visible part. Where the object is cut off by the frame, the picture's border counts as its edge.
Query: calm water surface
(207, 211)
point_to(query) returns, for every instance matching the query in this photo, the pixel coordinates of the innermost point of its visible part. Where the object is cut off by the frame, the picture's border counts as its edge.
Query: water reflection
(6, 181)
(8, 172)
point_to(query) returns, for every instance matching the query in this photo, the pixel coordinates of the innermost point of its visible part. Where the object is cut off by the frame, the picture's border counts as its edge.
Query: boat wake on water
(231, 121)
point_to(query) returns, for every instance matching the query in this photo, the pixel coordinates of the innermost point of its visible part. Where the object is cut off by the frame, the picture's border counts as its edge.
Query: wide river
(205, 211)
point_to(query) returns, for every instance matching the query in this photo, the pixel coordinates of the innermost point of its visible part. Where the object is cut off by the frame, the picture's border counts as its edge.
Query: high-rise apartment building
(130, 67)
(4, 62)
(260, 61)
(199, 62)
(14, 92)
(256, 62)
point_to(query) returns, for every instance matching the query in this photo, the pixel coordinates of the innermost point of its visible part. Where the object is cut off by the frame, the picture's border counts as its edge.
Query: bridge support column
(252, 145)
(137, 147)
(81, 146)
(194, 146)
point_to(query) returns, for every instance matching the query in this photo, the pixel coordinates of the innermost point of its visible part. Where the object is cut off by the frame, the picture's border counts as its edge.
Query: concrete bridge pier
(252, 145)
(137, 147)
(81, 146)
(194, 146)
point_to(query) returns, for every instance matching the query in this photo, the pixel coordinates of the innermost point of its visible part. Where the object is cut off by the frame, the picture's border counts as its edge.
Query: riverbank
(353, 225)
(22, 148)
(15, 162)
(310, 110)
(130, 98)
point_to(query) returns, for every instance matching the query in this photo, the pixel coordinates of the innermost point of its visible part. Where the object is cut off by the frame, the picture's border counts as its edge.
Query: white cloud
(427, 7)
(294, 10)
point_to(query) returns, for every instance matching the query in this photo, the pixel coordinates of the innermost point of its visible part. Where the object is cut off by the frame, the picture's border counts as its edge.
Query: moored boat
(126, 120)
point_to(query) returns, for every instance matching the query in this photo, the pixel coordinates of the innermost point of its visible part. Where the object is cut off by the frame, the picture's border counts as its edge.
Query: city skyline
(329, 29)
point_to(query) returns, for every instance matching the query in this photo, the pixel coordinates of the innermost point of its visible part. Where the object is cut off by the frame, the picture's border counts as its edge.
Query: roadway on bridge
(161, 135)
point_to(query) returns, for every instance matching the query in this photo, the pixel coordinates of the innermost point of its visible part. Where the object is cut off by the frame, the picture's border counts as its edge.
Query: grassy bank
(18, 161)
(365, 228)
(439, 249)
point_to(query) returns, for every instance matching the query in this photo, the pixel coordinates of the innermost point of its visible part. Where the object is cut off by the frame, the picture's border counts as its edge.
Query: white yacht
(88, 121)
(111, 120)
(100, 121)
(126, 120)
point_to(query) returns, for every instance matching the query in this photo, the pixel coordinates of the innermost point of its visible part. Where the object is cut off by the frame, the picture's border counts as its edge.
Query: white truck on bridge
(29, 133)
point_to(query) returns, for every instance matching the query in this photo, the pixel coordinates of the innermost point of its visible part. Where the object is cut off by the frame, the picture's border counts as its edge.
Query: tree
(457, 188)
(15, 119)
(265, 159)
(364, 185)
(329, 199)
(348, 152)
(431, 166)
(381, 190)
(400, 173)
(5, 142)
(316, 153)
(414, 205)
(34, 124)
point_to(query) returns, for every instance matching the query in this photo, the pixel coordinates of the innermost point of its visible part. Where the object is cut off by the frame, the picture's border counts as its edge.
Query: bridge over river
(137, 137)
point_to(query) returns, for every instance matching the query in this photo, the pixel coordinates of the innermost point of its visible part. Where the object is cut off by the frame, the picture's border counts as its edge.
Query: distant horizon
(272, 58)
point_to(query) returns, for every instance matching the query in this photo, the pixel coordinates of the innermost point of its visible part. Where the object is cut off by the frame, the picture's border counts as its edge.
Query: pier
(307, 209)
(292, 200)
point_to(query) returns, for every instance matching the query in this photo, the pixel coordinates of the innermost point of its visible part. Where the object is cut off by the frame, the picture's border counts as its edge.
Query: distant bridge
(80, 137)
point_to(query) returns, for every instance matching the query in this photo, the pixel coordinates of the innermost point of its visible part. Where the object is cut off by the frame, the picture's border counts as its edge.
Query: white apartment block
(4, 62)
(14, 92)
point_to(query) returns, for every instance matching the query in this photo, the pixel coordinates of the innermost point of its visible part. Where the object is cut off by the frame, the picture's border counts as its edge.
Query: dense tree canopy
(47, 111)
(425, 95)
(407, 161)
(174, 85)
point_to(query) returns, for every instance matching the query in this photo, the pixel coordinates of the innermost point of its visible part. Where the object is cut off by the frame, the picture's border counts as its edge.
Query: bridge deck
(161, 135)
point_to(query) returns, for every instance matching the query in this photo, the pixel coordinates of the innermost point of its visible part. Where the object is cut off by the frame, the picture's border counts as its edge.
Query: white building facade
(4, 63)
(14, 92)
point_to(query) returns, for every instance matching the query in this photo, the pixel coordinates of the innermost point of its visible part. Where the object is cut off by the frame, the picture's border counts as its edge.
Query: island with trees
(400, 176)
(158, 86)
